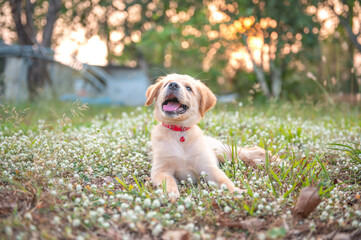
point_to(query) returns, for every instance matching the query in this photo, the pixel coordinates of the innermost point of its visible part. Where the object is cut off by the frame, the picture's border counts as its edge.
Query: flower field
(85, 174)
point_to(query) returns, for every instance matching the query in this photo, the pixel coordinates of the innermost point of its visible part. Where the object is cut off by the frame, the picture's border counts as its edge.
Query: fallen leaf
(356, 234)
(215, 205)
(357, 196)
(176, 235)
(341, 236)
(251, 224)
(307, 201)
(335, 235)
(340, 183)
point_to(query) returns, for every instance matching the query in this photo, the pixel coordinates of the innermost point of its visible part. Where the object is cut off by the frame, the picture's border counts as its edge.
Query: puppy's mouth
(172, 105)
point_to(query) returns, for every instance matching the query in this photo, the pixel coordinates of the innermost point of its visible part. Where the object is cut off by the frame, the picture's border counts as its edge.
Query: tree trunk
(51, 17)
(261, 78)
(37, 71)
(25, 34)
(38, 76)
(259, 72)
(276, 79)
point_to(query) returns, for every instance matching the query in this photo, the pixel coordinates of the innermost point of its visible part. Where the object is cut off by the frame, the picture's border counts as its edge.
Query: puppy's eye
(188, 88)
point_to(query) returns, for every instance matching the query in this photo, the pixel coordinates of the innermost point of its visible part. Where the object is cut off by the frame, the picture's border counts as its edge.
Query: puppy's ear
(153, 92)
(207, 100)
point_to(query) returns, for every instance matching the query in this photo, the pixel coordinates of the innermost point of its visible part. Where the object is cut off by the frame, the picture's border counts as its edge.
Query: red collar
(176, 128)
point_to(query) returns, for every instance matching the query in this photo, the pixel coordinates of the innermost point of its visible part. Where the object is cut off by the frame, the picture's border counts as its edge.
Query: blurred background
(108, 52)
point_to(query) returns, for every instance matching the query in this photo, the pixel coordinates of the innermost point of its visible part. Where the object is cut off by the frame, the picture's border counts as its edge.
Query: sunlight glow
(93, 51)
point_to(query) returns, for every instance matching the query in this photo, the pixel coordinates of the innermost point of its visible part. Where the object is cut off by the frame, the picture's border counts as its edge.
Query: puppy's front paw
(173, 193)
(238, 191)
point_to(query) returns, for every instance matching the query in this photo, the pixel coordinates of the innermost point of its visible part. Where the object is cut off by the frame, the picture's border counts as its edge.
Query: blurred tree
(28, 34)
(271, 34)
(349, 15)
(216, 38)
(346, 15)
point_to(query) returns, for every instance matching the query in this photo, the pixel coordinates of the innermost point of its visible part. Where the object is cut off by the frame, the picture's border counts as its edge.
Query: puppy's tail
(251, 156)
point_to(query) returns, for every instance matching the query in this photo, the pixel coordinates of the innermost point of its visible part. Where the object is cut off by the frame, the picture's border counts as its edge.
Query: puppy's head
(180, 99)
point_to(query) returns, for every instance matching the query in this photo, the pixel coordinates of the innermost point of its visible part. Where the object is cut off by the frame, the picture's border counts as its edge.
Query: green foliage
(93, 175)
(168, 46)
(353, 149)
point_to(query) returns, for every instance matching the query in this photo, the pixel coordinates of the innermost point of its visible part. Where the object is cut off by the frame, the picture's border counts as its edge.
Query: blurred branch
(346, 22)
(51, 17)
(29, 10)
(25, 36)
(257, 70)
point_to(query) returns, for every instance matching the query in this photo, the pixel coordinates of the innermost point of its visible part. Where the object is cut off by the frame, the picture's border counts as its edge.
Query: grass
(71, 171)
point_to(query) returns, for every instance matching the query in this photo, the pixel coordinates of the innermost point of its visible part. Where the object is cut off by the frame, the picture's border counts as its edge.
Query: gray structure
(128, 86)
(71, 81)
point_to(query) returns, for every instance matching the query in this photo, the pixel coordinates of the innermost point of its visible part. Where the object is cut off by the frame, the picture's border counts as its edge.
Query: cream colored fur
(174, 160)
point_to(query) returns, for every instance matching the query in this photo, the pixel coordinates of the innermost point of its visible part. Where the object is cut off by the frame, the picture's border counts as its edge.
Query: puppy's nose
(173, 86)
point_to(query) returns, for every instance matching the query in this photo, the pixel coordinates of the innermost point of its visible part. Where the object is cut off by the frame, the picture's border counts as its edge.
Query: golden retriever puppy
(179, 147)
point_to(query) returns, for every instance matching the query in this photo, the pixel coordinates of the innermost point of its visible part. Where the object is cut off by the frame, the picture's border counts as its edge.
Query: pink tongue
(171, 106)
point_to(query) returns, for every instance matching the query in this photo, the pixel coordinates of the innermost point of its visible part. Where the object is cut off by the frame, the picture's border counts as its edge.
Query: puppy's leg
(163, 178)
(256, 156)
(221, 150)
(219, 177)
(252, 156)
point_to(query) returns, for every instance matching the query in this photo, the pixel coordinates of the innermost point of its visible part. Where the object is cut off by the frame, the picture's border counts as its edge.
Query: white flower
(227, 209)
(8, 231)
(116, 217)
(93, 213)
(156, 203)
(28, 216)
(151, 214)
(180, 208)
(56, 220)
(76, 222)
(190, 180)
(101, 220)
(138, 209)
(100, 210)
(158, 191)
(106, 224)
(157, 230)
(79, 237)
(124, 206)
(78, 188)
(147, 202)
(354, 223)
(189, 227)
